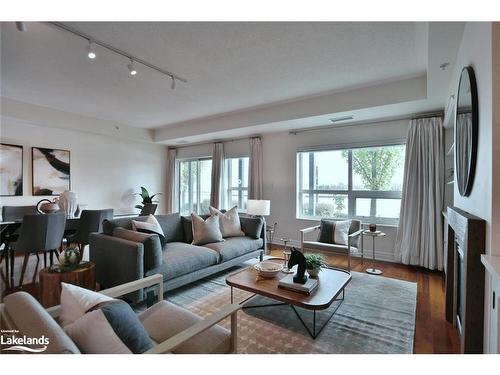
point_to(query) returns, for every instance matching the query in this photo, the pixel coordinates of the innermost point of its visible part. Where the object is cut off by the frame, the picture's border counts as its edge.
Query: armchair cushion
(328, 227)
(164, 320)
(316, 245)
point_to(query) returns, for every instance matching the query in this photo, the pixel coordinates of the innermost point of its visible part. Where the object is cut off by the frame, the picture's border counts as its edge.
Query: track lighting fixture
(90, 51)
(134, 60)
(131, 68)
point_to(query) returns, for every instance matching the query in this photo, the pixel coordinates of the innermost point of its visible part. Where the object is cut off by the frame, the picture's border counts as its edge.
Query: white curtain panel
(169, 192)
(217, 174)
(419, 240)
(255, 169)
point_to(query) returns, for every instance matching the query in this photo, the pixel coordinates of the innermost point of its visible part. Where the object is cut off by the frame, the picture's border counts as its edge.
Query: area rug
(377, 316)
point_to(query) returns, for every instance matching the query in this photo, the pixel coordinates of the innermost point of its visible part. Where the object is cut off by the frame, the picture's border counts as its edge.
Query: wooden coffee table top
(332, 282)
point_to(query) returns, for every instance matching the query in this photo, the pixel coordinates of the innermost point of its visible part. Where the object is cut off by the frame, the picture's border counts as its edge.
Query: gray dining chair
(11, 233)
(90, 222)
(39, 233)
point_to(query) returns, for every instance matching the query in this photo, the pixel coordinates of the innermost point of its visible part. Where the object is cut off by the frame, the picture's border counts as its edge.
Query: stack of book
(307, 288)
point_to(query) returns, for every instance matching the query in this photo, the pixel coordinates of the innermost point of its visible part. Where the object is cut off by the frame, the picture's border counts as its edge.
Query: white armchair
(354, 237)
(172, 328)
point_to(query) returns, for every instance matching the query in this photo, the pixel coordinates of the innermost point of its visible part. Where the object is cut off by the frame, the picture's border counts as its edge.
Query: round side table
(50, 283)
(373, 235)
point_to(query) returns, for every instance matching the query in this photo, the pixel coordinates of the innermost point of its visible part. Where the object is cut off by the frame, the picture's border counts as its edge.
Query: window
(363, 183)
(236, 183)
(194, 185)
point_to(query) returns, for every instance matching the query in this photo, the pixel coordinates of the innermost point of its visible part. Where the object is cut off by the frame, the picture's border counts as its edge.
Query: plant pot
(148, 209)
(313, 272)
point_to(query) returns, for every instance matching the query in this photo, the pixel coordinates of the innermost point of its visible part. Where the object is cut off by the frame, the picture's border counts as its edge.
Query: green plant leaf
(144, 193)
(139, 206)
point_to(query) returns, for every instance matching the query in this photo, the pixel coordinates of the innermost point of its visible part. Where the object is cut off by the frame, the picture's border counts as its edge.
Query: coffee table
(332, 283)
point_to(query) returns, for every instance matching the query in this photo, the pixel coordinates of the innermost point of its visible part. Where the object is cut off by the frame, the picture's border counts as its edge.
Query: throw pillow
(75, 301)
(326, 231)
(206, 231)
(110, 328)
(229, 222)
(150, 225)
(341, 232)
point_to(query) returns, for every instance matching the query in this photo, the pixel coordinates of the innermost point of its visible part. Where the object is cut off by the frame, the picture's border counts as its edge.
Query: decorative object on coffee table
(50, 282)
(314, 262)
(148, 206)
(298, 258)
(286, 255)
(372, 270)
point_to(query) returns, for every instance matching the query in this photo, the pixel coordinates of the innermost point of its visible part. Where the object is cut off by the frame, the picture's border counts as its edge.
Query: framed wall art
(11, 170)
(51, 171)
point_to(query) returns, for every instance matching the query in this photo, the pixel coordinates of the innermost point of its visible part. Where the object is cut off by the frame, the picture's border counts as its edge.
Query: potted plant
(149, 205)
(314, 262)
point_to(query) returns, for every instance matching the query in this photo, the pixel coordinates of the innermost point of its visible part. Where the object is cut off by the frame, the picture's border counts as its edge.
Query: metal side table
(373, 235)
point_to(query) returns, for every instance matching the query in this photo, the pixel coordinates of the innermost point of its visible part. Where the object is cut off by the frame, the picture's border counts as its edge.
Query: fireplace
(465, 284)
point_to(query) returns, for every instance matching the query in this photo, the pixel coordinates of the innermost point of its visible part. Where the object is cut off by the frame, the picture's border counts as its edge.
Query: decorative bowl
(268, 269)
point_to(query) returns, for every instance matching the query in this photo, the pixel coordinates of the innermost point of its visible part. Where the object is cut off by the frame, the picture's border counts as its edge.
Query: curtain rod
(212, 142)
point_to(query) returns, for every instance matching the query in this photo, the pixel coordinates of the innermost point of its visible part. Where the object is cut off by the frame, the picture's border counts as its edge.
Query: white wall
(279, 154)
(105, 170)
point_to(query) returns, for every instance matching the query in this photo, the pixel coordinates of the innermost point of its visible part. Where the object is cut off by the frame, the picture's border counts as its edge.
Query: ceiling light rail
(92, 41)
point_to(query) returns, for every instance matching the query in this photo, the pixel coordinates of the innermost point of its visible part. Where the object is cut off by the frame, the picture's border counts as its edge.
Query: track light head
(172, 85)
(21, 26)
(131, 68)
(90, 51)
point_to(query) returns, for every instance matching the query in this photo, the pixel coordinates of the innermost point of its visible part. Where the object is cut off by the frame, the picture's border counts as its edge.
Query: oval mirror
(466, 131)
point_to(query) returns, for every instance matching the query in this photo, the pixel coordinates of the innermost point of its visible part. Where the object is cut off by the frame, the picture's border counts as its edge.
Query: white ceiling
(229, 66)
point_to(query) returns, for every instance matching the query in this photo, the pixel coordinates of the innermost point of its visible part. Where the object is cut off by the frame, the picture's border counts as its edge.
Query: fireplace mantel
(465, 278)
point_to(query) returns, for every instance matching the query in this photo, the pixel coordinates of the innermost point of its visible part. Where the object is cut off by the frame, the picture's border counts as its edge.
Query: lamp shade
(258, 207)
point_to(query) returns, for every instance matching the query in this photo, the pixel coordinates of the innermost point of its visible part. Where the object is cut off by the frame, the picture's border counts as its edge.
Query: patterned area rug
(377, 316)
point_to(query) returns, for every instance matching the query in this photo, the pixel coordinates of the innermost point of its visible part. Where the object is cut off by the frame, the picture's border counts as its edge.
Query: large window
(362, 183)
(236, 183)
(194, 185)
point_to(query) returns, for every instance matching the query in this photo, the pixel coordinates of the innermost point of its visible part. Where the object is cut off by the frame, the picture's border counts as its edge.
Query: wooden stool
(50, 283)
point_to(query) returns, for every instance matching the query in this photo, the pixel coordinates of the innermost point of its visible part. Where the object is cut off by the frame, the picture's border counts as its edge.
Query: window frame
(198, 182)
(227, 200)
(351, 194)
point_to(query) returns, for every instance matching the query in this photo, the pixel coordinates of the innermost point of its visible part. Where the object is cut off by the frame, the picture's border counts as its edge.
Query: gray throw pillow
(229, 222)
(252, 226)
(206, 231)
(326, 231)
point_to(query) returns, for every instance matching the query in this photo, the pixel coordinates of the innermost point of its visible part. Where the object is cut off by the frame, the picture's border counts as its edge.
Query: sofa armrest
(170, 344)
(117, 261)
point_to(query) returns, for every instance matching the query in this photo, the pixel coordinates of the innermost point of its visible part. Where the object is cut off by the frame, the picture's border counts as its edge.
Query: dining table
(10, 226)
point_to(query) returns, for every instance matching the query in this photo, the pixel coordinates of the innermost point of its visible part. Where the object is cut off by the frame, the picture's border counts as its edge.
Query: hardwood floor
(433, 334)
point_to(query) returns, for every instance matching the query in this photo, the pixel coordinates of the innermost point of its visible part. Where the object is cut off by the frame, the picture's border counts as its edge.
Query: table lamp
(258, 207)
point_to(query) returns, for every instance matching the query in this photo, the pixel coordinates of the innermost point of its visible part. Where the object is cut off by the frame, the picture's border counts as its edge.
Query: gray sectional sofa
(122, 255)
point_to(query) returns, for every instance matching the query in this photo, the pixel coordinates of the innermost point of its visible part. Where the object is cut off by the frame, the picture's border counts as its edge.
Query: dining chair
(11, 233)
(39, 233)
(90, 222)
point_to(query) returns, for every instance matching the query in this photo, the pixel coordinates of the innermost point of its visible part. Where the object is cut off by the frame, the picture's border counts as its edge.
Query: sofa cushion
(158, 321)
(151, 242)
(233, 247)
(172, 227)
(180, 258)
(32, 320)
(150, 226)
(252, 226)
(206, 231)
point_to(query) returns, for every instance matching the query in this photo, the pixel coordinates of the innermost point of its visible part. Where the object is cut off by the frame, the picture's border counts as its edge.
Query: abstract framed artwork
(11, 170)
(51, 171)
